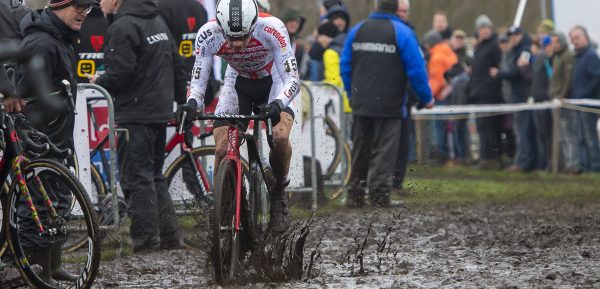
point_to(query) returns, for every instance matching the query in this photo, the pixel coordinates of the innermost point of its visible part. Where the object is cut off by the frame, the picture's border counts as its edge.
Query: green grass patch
(466, 185)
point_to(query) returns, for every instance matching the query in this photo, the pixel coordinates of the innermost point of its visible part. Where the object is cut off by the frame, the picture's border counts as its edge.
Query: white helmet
(237, 18)
(264, 4)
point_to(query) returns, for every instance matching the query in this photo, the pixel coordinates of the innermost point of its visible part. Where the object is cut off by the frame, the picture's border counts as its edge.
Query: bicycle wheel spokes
(225, 239)
(66, 215)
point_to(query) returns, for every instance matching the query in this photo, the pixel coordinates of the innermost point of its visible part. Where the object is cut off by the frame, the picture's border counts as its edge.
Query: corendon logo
(97, 42)
(191, 21)
(277, 35)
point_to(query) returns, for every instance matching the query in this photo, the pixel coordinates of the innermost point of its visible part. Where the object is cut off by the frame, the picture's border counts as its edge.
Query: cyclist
(263, 72)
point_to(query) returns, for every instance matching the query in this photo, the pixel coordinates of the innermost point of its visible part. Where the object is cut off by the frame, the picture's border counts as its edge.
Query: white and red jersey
(269, 53)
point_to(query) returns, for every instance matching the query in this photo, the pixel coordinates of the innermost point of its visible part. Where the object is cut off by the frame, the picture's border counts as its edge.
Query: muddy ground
(550, 245)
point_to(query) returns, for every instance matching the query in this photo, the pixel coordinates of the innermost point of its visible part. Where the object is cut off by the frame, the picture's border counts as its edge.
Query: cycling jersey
(269, 53)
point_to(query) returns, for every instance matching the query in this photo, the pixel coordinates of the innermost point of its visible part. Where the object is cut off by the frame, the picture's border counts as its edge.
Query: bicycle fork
(233, 154)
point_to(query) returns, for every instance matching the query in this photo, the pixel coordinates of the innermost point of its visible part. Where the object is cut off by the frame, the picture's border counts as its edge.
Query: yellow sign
(85, 68)
(186, 48)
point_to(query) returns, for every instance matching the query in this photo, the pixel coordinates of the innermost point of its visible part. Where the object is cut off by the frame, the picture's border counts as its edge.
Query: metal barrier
(113, 151)
(343, 129)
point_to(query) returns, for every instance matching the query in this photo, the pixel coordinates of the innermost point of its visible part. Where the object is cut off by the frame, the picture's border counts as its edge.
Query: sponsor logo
(186, 48)
(94, 56)
(188, 36)
(205, 35)
(280, 37)
(191, 22)
(293, 90)
(157, 38)
(85, 68)
(374, 47)
(97, 42)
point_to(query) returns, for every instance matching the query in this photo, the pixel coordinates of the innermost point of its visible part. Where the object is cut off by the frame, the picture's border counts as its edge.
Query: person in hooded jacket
(49, 34)
(144, 74)
(484, 89)
(338, 14)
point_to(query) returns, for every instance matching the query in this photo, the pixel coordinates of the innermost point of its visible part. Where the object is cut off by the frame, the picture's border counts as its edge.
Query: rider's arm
(205, 52)
(286, 63)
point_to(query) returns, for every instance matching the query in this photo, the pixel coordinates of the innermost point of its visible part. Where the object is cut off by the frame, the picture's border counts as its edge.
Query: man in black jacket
(526, 158)
(484, 89)
(144, 73)
(50, 34)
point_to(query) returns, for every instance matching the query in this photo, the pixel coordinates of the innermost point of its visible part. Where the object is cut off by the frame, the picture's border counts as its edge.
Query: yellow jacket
(331, 61)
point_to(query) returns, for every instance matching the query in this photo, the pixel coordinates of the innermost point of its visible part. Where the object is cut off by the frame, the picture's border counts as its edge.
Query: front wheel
(225, 238)
(73, 217)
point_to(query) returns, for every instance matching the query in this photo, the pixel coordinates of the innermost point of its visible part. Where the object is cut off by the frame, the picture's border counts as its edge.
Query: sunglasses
(82, 8)
(241, 38)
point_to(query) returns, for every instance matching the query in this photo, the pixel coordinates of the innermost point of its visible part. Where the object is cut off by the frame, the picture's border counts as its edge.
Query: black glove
(273, 111)
(190, 108)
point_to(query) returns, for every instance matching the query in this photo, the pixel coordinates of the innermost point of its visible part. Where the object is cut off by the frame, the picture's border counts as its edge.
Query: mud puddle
(511, 246)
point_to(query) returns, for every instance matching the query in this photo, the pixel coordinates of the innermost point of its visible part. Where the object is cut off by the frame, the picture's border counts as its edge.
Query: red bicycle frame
(233, 153)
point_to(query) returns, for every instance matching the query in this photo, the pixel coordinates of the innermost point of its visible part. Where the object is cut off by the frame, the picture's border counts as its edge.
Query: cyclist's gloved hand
(273, 110)
(190, 108)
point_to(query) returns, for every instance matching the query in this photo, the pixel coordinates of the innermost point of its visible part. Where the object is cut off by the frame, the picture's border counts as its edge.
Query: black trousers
(149, 204)
(374, 156)
(490, 135)
(403, 151)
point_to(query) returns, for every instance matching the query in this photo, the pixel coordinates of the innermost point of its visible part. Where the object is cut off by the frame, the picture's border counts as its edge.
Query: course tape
(453, 112)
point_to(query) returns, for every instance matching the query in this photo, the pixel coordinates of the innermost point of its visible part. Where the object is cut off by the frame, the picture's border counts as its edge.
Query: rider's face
(238, 44)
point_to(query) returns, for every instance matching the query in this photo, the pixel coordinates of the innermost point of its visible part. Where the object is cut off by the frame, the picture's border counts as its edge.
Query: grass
(464, 185)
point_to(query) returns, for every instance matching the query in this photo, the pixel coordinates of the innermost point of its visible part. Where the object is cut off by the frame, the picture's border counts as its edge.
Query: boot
(57, 271)
(41, 257)
(280, 212)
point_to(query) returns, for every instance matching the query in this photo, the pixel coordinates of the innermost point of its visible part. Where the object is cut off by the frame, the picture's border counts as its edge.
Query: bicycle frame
(233, 150)
(16, 155)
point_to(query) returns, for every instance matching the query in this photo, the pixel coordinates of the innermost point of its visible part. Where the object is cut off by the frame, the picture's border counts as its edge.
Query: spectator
(440, 24)
(526, 158)
(263, 6)
(379, 57)
(560, 88)
(50, 34)
(145, 74)
(545, 28)
(441, 59)
(331, 57)
(408, 145)
(338, 14)
(586, 85)
(458, 78)
(541, 73)
(485, 89)
(90, 59)
(294, 22)
(11, 13)
(508, 136)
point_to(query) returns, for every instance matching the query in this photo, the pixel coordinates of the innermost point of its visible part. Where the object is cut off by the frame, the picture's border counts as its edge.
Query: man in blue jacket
(380, 56)
(586, 85)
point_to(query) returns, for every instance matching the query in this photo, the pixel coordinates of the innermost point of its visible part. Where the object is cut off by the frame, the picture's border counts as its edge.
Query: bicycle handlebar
(37, 143)
(237, 118)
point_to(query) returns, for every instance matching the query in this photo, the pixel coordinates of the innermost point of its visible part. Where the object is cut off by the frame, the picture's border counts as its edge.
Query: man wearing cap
(50, 34)
(526, 159)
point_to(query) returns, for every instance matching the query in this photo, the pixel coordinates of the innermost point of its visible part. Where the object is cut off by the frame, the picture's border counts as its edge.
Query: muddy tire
(76, 217)
(260, 201)
(225, 249)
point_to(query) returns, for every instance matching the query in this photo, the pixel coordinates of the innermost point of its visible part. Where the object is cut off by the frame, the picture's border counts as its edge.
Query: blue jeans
(527, 152)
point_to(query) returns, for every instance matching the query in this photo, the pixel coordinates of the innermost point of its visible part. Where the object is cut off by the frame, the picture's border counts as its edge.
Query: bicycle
(238, 211)
(43, 202)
